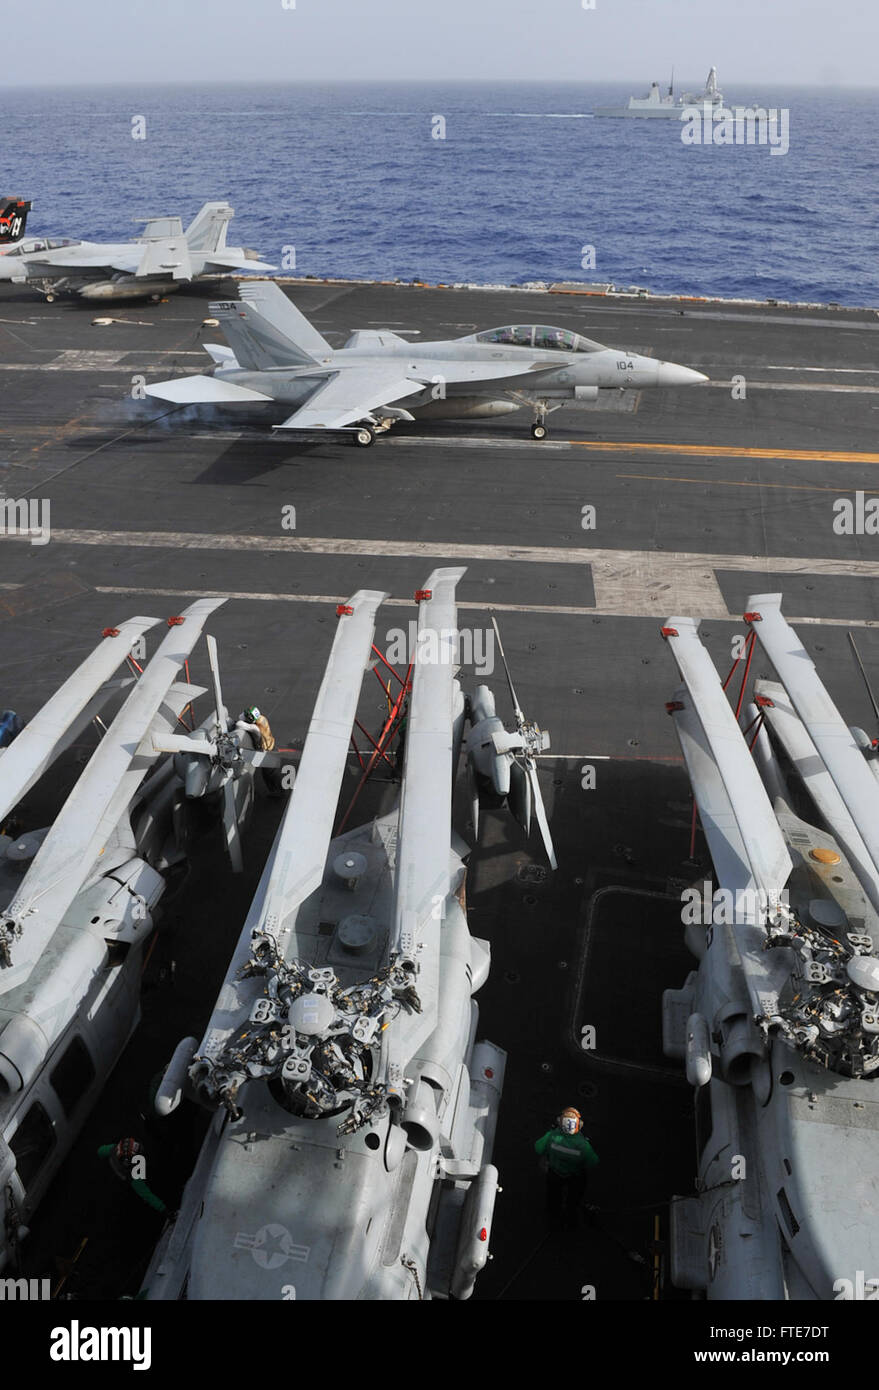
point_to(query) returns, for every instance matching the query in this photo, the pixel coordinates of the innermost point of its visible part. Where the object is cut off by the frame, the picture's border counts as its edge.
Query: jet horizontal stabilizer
(228, 260)
(202, 390)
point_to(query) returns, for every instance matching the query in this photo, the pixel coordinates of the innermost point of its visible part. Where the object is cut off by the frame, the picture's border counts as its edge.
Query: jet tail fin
(13, 217)
(266, 330)
(207, 230)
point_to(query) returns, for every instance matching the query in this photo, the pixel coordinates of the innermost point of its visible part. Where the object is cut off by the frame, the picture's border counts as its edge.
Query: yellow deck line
(605, 446)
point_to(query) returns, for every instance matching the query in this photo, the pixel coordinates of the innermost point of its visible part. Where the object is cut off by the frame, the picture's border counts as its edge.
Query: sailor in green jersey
(569, 1156)
(128, 1162)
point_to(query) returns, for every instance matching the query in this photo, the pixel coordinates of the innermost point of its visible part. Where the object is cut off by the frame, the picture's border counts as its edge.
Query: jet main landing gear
(538, 429)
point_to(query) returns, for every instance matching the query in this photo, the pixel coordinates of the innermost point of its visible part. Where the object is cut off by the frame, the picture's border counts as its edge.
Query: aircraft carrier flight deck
(657, 504)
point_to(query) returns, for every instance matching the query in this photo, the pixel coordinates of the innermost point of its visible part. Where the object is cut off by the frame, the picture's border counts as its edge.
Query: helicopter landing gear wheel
(538, 431)
(364, 436)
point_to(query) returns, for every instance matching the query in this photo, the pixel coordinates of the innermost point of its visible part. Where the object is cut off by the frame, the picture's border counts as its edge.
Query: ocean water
(348, 179)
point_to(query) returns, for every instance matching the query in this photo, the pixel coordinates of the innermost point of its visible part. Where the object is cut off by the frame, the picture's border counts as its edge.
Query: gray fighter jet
(350, 1152)
(163, 258)
(378, 378)
(779, 1024)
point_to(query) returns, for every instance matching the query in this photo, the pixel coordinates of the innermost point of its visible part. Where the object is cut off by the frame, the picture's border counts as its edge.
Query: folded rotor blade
(222, 714)
(500, 646)
(809, 765)
(91, 812)
(473, 798)
(519, 798)
(758, 828)
(183, 743)
(32, 751)
(296, 863)
(825, 725)
(231, 828)
(308, 822)
(540, 812)
(424, 828)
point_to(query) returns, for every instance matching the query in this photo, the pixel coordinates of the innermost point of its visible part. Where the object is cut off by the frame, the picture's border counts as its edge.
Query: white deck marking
(627, 583)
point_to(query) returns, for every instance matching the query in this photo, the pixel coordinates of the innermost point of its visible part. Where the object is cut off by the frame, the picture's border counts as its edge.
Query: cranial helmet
(570, 1120)
(252, 714)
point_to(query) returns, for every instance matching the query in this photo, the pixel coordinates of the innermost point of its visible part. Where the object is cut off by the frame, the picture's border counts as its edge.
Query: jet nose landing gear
(538, 430)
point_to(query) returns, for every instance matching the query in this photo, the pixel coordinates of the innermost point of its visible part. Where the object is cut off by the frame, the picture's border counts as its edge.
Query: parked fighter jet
(163, 258)
(13, 217)
(79, 900)
(275, 354)
(344, 1035)
(779, 1024)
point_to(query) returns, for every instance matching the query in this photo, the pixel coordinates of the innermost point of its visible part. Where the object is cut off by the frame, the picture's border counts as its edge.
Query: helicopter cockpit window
(72, 1075)
(32, 1143)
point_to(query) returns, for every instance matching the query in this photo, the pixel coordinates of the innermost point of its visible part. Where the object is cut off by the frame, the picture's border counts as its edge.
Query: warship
(658, 106)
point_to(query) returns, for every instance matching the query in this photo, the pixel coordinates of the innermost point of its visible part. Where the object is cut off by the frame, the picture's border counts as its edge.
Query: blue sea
(348, 179)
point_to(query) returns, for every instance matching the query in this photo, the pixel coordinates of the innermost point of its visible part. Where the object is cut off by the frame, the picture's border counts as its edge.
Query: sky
(784, 42)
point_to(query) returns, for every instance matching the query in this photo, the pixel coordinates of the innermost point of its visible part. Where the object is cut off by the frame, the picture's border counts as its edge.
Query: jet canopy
(539, 336)
(26, 248)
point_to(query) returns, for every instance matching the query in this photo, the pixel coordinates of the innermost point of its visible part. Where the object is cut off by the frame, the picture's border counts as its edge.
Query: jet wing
(351, 394)
(456, 371)
(40, 266)
(159, 258)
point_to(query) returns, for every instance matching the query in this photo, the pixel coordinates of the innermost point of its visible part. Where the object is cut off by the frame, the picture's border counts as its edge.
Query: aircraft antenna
(864, 674)
(520, 718)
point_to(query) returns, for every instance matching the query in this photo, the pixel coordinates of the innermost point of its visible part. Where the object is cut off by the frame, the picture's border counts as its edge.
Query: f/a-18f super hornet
(163, 258)
(350, 1152)
(378, 378)
(779, 1024)
(13, 217)
(79, 900)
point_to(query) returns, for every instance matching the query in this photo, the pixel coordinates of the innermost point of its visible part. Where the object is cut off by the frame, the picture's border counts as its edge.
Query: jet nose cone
(670, 374)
